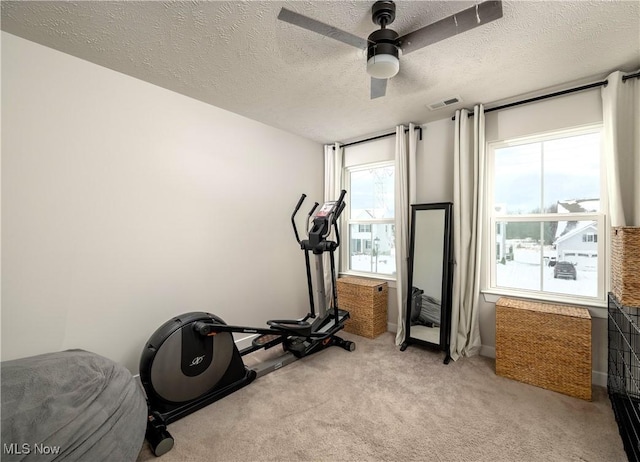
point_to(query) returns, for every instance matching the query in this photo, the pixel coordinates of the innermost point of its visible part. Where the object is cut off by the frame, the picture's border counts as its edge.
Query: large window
(544, 216)
(370, 246)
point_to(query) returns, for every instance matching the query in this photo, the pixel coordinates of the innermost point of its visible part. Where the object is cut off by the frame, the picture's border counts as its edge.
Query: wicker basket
(366, 302)
(545, 345)
(625, 265)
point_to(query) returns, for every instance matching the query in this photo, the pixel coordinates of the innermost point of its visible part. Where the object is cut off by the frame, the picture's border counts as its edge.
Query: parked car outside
(564, 269)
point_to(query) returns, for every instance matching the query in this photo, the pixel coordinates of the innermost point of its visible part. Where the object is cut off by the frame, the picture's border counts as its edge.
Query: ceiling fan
(384, 45)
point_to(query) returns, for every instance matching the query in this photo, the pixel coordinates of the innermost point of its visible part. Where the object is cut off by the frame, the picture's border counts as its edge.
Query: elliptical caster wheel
(162, 445)
(349, 346)
(160, 440)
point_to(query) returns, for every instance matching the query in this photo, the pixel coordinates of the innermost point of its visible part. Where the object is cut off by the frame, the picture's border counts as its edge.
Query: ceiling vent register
(444, 103)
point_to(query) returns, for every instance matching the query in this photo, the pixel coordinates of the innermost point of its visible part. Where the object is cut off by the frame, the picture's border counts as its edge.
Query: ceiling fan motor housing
(383, 42)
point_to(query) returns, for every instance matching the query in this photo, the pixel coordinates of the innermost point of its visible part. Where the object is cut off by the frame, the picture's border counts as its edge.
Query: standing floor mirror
(428, 313)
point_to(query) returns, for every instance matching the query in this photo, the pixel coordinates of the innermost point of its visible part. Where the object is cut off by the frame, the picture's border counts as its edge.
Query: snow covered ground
(524, 273)
(386, 264)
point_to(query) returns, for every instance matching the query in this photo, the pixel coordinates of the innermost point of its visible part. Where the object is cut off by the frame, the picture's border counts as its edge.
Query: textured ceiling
(238, 56)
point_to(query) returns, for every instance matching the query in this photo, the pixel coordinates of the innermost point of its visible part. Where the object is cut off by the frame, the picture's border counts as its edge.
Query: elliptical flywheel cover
(179, 365)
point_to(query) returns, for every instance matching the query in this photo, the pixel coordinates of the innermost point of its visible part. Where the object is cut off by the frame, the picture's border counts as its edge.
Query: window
(370, 217)
(544, 217)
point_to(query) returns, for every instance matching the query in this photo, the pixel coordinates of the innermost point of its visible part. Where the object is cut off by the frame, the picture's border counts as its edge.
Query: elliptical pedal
(296, 327)
(296, 345)
(267, 341)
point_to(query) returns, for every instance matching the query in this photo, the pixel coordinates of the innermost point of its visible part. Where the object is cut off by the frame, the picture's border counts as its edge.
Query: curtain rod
(630, 76)
(538, 98)
(380, 136)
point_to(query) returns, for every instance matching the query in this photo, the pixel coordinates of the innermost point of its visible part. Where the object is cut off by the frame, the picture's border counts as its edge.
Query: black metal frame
(284, 329)
(279, 329)
(623, 378)
(447, 279)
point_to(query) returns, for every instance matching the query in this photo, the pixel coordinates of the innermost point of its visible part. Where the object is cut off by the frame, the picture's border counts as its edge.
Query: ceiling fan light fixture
(382, 54)
(383, 66)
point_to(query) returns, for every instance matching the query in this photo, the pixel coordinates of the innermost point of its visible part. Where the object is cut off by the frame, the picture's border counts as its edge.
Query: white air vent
(445, 102)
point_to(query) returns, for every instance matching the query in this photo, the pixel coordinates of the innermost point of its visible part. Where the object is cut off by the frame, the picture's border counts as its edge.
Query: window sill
(391, 281)
(597, 309)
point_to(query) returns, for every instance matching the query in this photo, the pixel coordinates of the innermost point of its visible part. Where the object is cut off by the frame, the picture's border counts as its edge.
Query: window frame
(346, 222)
(492, 217)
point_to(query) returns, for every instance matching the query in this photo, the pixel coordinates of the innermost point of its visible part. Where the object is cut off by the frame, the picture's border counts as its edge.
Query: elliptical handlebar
(337, 210)
(340, 203)
(293, 216)
(342, 206)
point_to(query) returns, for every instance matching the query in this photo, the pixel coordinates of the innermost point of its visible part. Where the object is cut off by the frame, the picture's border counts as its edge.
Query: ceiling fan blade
(463, 21)
(321, 28)
(378, 87)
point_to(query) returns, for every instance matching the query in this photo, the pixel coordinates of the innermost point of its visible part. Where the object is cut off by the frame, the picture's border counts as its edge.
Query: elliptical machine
(192, 360)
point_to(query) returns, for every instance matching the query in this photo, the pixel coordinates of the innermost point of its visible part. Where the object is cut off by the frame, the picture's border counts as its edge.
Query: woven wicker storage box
(545, 345)
(625, 265)
(366, 302)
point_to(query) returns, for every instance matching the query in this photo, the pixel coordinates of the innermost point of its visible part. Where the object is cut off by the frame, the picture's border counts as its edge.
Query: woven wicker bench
(545, 345)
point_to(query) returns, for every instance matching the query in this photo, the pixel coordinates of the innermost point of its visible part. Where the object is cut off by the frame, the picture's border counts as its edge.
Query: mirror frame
(447, 280)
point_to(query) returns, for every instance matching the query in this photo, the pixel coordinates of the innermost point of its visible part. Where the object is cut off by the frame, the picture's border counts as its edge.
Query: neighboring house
(577, 241)
(501, 234)
(362, 237)
(574, 206)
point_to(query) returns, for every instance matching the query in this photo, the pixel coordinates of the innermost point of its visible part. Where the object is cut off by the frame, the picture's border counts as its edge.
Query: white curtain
(405, 195)
(333, 165)
(621, 120)
(468, 189)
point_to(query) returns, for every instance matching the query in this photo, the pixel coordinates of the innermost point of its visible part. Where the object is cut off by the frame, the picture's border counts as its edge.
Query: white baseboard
(488, 351)
(599, 378)
(392, 327)
(245, 341)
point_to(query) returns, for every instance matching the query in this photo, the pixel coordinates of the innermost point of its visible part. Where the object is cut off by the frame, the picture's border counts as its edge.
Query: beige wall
(124, 204)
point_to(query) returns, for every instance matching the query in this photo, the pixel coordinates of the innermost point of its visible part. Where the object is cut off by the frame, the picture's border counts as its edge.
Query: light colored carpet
(380, 404)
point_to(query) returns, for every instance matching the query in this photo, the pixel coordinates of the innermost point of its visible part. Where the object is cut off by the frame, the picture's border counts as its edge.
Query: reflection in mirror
(428, 307)
(427, 276)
